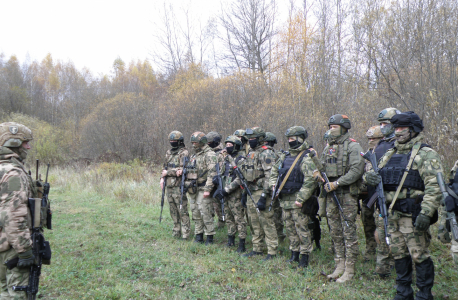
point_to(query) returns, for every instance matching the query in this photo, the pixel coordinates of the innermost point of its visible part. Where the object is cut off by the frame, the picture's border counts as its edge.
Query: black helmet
(408, 119)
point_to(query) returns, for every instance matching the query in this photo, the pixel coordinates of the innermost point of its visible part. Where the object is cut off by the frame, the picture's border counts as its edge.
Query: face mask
(230, 149)
(253, 143)
(335, 132)
(373, 143)
(21, 151)
(196, 147)
(294, 144)
(403, 136)
(174, 144)
(213, 144)
(387, 129)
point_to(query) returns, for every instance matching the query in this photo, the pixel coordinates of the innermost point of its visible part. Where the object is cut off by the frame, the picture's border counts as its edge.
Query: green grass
(106, 246)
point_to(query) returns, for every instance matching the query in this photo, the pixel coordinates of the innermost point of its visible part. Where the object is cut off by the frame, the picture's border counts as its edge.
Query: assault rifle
(451, 217)
(320, 168)
(219, 189)
(379, 194)
(163, 194)
(40, 247)
(275, 193)
(243, 183)
(183, 178)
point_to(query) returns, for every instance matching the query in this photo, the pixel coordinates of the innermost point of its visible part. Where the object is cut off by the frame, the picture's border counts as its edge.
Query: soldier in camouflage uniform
(172, 177)
(412, 212)
(214, 142)
(374, 135)
(454, 248)
(271, 140)
(16, 187)
(240, 133)
(256, 170)
(344, 167)
(234, 209)
(199, 184)
(295, 191)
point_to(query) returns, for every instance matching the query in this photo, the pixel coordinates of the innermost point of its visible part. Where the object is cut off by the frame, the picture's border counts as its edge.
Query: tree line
(245, 67)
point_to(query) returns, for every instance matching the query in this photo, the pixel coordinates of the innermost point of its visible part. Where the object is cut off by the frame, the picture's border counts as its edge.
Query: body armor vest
(296, 178)
(251, 168)
(392, 174)
(336, 158)
(382, 147)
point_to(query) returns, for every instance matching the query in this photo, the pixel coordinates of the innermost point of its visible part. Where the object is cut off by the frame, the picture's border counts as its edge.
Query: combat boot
(241, 247)
(304, 261)
(317, 246)
(349, 272)
(404, 289)
(294, 257)
(230, 241)
(269, 257)
(425, 279)
(252, 253)
(340, 268)
(199, 238)
(209, 240)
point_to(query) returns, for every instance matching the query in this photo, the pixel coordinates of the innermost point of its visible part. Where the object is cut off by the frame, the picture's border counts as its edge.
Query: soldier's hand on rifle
(162, 183)
(262, 202)
(26, 259)
(206, 194)
(331, 186)
(317, 176)
(220, 194)
(215, 180)
(179, 172)
(164, 173)
(373, 178)
(298, 204)
(422, 223)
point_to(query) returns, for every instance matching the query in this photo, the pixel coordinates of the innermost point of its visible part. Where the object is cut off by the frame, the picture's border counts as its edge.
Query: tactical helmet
(341, 120)
(297, 131)
(255, 132)
(270, 137)
(214, 136)
(234, 140)
(13, 134)
(408, 119)
(386, 114)
(241, 134)
(176, 136)
(199, 137)
(374, 133)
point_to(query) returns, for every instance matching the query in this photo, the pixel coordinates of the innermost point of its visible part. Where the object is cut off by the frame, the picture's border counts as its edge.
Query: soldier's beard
(21, 151)
(197, 148)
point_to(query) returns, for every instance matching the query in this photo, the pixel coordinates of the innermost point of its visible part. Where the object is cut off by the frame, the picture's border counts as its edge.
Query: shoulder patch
(353, 140)
(264, 147)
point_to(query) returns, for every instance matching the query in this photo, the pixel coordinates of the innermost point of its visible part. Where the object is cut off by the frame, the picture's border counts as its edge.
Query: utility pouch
(12, 263)
(331, 168)
(310, 207)
(171, 181)
(46, 258)
(249, 173)
(311, 224)
(355, 188)
(191, 175)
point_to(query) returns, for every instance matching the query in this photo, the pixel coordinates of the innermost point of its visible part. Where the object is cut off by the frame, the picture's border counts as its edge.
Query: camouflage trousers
(367, 218)
(406, 240)
(344, 237)
(278, 219)
(218, 210)
(235, 214)
(300, 237)
(384, 258)
(180, 217)
(454, 251)
(263, 226)
(202, 213)
(10, 278)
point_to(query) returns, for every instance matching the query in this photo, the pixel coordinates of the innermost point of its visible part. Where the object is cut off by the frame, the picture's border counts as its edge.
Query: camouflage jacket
(15, 189)
(307, 168)
(346, 168)
(256, 169)
(229, 175)
(174, 162)
(453, 171)
(428, 164)
(201, 167)
(220, 153)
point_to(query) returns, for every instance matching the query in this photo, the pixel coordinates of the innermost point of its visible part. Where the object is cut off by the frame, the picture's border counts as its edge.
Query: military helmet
(386, 114)
(408, 119)
(234, 140)
(199, 137)
(214, 136)
(374, 133)
(270, 137)
(241, 134)
(176, 136)
(255, 132)
(341, 120)
(297, 131)
(13, 134)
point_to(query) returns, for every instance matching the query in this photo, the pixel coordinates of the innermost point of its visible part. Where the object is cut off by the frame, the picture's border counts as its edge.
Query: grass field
(108, 244)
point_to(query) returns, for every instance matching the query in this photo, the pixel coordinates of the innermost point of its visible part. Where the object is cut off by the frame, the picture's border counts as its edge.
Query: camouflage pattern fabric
(454, 251)
(202, 213)
(181, 223)
(235, 215)
(300, 237)
(216, 203)
(15, 235)
(278, 220)
(384, 258)
(367, 218)
(174, 162)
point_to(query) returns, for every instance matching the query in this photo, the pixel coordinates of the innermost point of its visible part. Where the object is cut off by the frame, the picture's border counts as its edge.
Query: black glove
(262, 202)
(220, 194)
(244, 199)
(26, 259)
(215, 180)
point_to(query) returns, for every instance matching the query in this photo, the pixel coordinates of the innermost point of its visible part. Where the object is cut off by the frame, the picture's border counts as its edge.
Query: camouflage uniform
(216, 202)
(256, 170)
(174, 162)
(408, 243)
(344, 168)
(299, 187)
(454, 248)
(201, 170)
(16, 188)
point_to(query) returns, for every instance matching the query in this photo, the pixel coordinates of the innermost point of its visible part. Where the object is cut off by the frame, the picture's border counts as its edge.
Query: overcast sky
(90, 33)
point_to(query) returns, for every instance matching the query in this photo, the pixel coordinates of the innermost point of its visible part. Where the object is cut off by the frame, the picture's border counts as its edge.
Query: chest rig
(394, 169)
(251, 167)
(336, 158)
(296, 178)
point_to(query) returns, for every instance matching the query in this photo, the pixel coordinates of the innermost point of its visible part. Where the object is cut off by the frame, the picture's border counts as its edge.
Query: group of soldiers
(243, 180)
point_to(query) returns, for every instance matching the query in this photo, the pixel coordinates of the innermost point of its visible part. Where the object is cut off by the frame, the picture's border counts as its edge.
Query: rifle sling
(451, 192)
(289, 171)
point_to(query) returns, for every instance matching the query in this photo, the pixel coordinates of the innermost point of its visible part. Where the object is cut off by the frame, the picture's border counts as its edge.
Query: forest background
(246, 67)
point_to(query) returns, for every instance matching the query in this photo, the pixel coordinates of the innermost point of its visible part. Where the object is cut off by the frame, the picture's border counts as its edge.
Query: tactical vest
(394, 169)
(251, 168)
(336, 158)
(192, 169)
(173, 162)
(382, 147)
(296, 178)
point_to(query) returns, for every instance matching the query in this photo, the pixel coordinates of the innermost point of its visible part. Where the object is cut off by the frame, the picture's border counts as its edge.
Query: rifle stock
(183, 178)
(220, 187)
